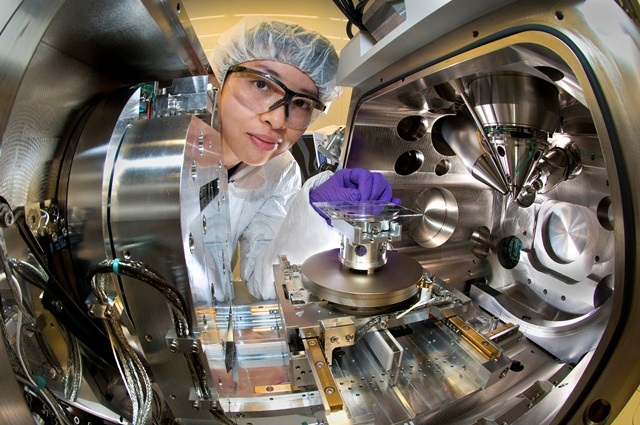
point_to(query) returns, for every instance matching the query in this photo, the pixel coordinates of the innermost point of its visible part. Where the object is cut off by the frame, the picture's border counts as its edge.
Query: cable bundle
(36, 384)
(352, 13)
(136, 379)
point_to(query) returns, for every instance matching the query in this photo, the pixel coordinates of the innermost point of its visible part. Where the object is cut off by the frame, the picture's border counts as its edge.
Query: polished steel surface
(567, 234)
(363, 257)
(327, 278)
(516, 101)
(517, 154)
(129, 41)
(155, 216)
(439, 217)
(101, 46)
(561, 293)
(462, 136)
(88, 180)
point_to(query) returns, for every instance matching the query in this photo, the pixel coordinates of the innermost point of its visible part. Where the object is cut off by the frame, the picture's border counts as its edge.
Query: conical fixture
(517, 112)
(460, 133)
(518, 152)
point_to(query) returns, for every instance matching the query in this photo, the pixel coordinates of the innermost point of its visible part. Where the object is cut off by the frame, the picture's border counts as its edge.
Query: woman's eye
(261, 85)
(303, 104)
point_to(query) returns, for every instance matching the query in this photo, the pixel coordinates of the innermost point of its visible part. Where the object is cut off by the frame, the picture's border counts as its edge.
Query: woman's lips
(267, 144)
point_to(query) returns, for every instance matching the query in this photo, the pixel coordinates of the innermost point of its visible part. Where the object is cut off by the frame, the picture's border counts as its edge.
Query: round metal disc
(327, 278)
(567, 233)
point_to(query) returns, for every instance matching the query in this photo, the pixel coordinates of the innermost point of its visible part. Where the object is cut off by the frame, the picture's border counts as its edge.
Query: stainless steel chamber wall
(510, 134)
(430, 121)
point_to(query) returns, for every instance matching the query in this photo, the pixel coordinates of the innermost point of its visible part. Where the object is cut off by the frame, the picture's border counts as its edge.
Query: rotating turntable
(364, 273)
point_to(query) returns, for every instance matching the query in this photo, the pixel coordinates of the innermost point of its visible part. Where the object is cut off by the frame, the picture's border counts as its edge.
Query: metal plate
(324, 275)
(567, 233)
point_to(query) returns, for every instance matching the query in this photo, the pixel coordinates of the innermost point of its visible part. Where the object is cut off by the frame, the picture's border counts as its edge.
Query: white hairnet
(253, 39)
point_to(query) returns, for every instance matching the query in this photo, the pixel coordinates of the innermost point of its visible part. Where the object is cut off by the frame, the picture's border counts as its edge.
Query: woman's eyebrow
(274, 73)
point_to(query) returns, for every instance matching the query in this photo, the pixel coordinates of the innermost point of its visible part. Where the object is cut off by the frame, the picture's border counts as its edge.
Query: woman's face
(256, 138)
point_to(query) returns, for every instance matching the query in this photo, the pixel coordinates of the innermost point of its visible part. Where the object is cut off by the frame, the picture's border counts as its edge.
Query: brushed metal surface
(18, 46)
(100, 46)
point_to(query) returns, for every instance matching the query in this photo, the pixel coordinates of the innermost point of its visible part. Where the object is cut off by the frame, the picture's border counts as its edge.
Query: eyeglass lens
(260, 94)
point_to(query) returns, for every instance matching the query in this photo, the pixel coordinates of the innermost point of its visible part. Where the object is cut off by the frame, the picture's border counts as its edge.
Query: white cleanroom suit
(271, 216)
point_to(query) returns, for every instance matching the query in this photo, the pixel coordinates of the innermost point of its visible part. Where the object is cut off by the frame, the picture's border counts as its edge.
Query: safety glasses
(259, 93)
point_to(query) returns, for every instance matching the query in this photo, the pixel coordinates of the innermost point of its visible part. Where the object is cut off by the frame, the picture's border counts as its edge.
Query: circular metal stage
(324, 275)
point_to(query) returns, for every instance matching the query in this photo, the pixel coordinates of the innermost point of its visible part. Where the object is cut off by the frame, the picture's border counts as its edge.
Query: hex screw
(173, 347)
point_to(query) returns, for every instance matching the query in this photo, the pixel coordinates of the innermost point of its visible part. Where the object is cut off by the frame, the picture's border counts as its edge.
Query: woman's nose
(277, 117)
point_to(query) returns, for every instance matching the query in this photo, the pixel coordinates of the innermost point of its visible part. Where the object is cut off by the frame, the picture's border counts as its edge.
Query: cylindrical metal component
(364, 256)
(481, 242)
(511, 99)
(440, 217)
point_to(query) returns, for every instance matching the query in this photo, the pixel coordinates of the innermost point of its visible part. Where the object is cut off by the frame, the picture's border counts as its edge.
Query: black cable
(28, 272)
(352, 13)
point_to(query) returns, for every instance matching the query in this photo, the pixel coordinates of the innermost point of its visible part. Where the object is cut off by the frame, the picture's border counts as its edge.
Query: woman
(275, 79)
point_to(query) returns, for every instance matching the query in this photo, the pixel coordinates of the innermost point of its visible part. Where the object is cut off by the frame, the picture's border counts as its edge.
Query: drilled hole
(605, 213)
(412, 128)
(409, 162)
(597, 413)
(437, 139)
(443, 167)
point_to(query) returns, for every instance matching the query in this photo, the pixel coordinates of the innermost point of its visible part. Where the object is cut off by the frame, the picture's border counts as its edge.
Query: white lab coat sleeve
(303, 233)
(265, 226)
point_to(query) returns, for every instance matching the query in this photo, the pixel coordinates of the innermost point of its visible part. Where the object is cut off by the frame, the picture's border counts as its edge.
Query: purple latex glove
(353, 184)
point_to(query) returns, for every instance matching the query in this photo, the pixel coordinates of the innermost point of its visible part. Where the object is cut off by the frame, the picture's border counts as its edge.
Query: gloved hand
(353, 184)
